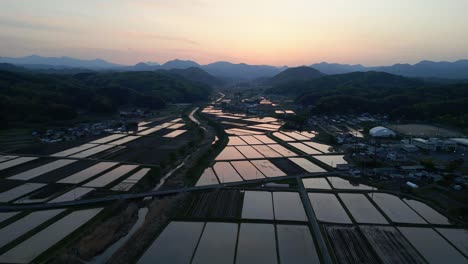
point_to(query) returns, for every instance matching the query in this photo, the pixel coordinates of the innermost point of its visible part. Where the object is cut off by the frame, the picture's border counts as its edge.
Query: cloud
(135, 34)
(34, 25)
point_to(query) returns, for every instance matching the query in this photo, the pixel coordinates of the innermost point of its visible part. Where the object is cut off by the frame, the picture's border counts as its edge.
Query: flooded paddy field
(265, 139)
(390, 245)
(344, 184)
(295, 135)
(222, 242)
(296, 245)
(92, 151)
(247, 170)
(176, 244)
(361, 208)
(217, 243)
(43, 194)
(327, 208)
(17, 192)
(87, 173)
(249, 152)
(349, 245)
(175, 133)
(30, 174)
(60, 173)
(458, 237)
(256, 244)
(282, 150)
(288, 206)
(124, 140)
(396, 209)
(207, 178)
(316, 183)
(267, 151)
(307, 165)
(129, 182)
(288, 167)
(32, 247)
(110, 176)
(74, 150)
(151, 149)
(304, 148)
(4, 158)
(22, 226)
(331, 160)
(258, 205)
(267, 168)
(230, 153)
(7, 215)
(429, 214)
(283, 137)
(236, 141)
(73, 194)
(226, 172)
(250, 140)
(320, 147)
(431, 245)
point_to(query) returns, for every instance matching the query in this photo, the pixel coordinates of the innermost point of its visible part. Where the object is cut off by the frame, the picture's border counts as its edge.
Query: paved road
(313, 223)
(110, 198)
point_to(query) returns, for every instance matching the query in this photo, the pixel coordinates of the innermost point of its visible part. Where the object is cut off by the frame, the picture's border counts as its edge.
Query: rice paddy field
(310, 215)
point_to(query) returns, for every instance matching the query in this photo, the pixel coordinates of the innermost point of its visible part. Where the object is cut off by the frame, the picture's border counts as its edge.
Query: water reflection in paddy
(361, 208)
(176, 244)
(230, 153)
(396, 209)
(316, 183)
(31, 248)
(247, 170)
(340, 183)
(327, 208)
(256, 244)
(332, 160)
(217, 243)
(226, 173)
(207, 178)
(432, 246)
(257, 205)
(458, 237)
(307, 165)
(267, 168)
(288, 206)
(249, 152)
(296, 245)
(431, 215)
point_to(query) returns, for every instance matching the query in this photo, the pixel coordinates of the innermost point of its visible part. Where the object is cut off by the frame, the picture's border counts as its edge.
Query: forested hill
(358, 80)
(39, 98)
(382, 93)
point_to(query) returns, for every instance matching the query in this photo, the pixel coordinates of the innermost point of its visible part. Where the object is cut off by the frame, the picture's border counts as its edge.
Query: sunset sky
(276, 32)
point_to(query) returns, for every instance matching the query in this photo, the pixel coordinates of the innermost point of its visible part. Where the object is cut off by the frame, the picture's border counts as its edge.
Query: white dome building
(381, 131)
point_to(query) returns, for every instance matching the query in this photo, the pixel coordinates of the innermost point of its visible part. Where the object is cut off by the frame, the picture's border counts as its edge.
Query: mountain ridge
(241, 71)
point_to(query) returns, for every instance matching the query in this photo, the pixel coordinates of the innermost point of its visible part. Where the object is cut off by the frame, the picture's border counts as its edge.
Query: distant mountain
(443, 69)
(195, 74)
(241, 71)
(335, 68)
(424, 69)
(302, 73)
(35, 61)
(179, 64)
